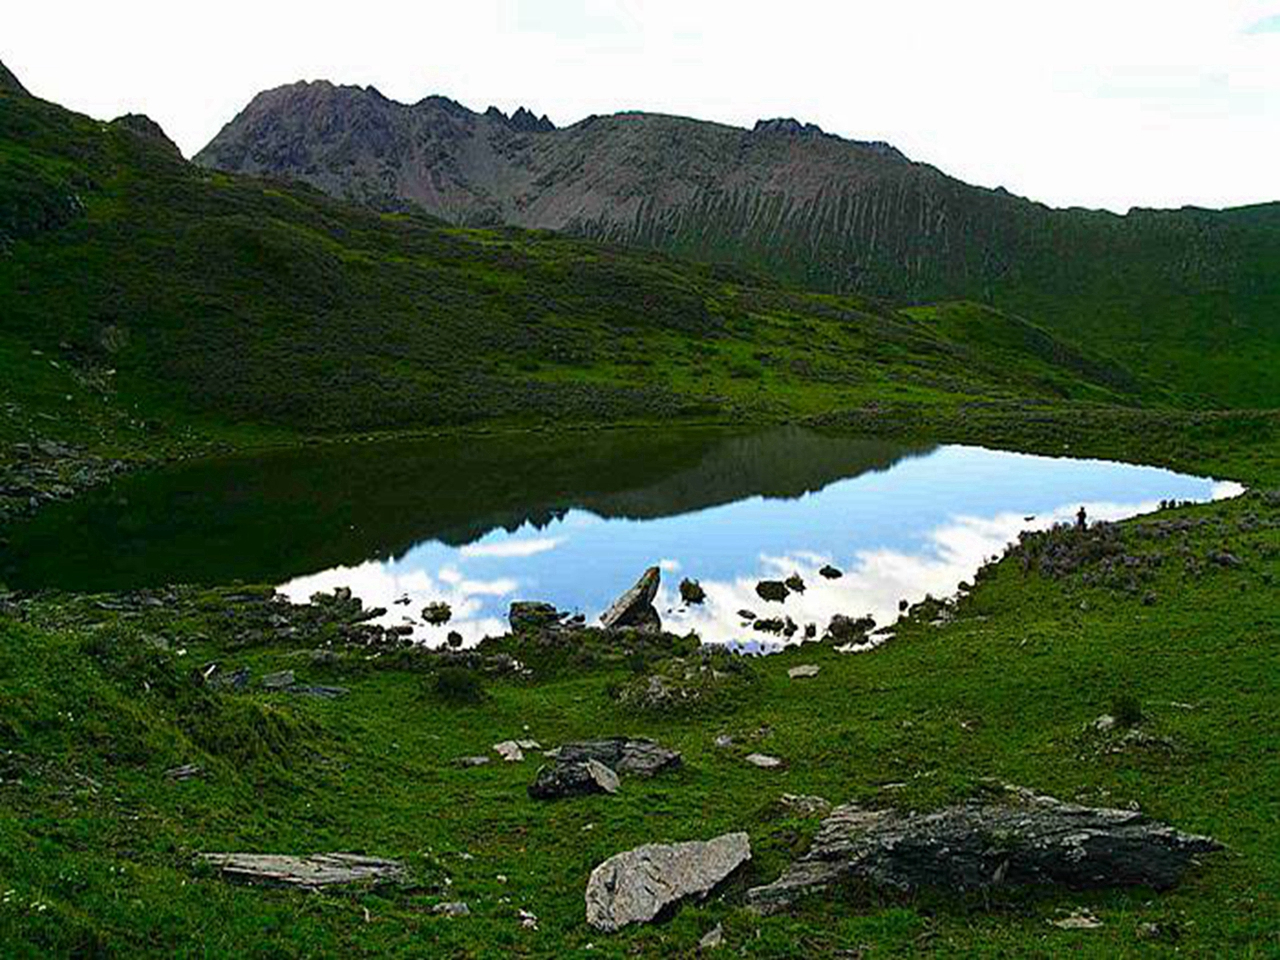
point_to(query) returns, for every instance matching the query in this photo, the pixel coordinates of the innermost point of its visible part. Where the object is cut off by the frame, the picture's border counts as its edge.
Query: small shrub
(457, 685)
(1127, 710)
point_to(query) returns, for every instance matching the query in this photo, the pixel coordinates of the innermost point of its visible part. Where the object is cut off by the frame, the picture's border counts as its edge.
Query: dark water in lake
(575, 519)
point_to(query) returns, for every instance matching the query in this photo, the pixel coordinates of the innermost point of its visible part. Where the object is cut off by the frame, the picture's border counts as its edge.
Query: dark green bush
(457, 685)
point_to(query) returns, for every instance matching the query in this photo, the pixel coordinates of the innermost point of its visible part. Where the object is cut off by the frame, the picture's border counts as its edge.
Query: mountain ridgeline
(1190, 297)
(141, 293)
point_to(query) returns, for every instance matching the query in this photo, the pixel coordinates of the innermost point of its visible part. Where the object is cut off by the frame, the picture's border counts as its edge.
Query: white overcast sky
(1102, 103)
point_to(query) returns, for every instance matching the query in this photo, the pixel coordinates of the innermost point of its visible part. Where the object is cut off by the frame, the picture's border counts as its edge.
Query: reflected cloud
(504, 549)
(873, 584)
(404, 593)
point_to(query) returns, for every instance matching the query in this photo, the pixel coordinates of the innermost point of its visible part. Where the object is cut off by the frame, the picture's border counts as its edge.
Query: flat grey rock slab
(306, 872)
(635, 886)
(764, 761)
(975, 846)
(804, 671)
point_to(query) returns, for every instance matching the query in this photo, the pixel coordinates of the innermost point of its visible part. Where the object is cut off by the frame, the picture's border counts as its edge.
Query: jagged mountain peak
(787, 125)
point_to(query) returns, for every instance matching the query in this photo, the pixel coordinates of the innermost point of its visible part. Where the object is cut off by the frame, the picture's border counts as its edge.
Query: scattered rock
(773, 591)
(830, 572)
(471, 761)
(723, 741)
(1104, 723)
(763, 761)
(509, 751)
(973, 846)
(572, 779)
(188, 771)
(317, 690)
(437, 613)
(454, 909)
(278, 681)
(691, 591)
(644, 758)
(533, 615)
(1078, 920)
(803, 671)
(310, 872)
(633, 887)
(713, 938)
(844, 629)
(635, 607)
(800, 805)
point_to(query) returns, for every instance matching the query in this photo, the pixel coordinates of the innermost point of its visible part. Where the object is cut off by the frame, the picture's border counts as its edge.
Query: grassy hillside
(140, 293)
(1189, 297)
(100, 697)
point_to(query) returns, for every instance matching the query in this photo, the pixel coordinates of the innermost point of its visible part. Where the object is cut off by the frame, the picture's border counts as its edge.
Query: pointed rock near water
(635, 607)
(1033, 841)
(635, 886)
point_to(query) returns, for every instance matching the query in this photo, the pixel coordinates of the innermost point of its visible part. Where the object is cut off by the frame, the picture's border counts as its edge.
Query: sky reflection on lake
(920, 524)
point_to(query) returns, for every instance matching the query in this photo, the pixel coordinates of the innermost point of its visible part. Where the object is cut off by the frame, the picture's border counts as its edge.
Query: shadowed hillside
(1188, 296)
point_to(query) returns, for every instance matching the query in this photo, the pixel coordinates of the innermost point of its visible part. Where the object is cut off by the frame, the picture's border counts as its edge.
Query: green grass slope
(143, 297)
(98, 849)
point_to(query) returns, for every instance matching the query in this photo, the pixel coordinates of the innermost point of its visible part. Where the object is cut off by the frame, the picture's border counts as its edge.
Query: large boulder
(635, 886)
(593, 766)
(1034, 840)
(634, 609)
(643, 758)
(575, 778)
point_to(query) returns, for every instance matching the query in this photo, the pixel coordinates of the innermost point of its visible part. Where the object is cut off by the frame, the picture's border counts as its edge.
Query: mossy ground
(97, 847)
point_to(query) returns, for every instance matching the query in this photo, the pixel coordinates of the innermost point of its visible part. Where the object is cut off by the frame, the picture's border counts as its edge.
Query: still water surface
(574, 520)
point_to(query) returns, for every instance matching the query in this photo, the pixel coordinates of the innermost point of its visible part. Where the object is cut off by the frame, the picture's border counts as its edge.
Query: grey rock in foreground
(976, 846)
(635, 886)
(635, 607)
(310, 872)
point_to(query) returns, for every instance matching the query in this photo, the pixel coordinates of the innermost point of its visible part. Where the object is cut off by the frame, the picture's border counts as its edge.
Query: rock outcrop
(635, 886)
(1032, 841)
(143, 126)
